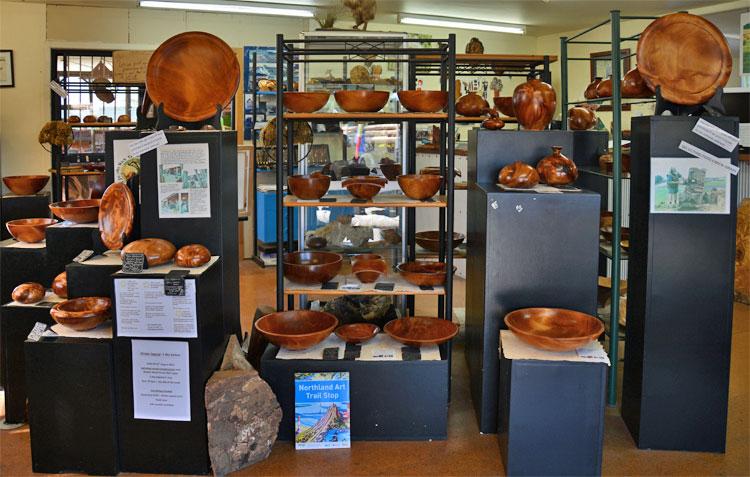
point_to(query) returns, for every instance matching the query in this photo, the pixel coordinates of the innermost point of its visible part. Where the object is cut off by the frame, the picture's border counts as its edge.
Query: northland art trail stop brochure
(321, 414)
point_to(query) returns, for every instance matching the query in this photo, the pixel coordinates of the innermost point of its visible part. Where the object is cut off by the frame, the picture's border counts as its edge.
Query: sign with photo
(689, 185)
(321, 410)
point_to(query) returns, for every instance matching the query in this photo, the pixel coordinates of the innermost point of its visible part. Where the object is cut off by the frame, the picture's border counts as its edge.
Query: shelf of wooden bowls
(349, 284)
(380, 200)
(82, 314)
(421, 331)
(357, 333)
(554, 329)
(296, 330)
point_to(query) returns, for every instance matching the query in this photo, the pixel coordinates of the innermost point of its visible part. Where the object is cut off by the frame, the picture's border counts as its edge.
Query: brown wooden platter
(116, 215)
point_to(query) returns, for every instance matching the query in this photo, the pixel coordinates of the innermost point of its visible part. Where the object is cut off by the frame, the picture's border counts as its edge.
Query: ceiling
(541, 16)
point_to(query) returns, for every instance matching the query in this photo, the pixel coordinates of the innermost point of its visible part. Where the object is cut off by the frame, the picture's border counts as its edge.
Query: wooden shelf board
(391, 200)
(401, 287)
(510, 61)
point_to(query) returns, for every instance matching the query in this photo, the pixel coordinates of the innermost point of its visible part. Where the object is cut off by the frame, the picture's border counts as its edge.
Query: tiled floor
(466, 452)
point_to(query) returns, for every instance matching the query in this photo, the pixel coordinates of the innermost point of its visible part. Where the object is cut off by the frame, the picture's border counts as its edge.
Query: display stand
(676, 375)
(92, 277)
(22, 207)
(528, 249)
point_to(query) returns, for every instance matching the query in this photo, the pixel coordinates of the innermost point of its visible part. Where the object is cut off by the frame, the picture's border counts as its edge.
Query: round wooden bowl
(363, 190)
(435, 171)
(311, 267)
(361, 101)
(29, 230)
(60, 285)
(157, 251)
(382, 181)
(295, 330)
(25, 185)
(423, 101)
(423, 273)
(305, 102)
(369, 270)
(420, 186)
(356, 333)
(116, 215)
(82, 314)
(366, 256)
(191, 256)
(430, 240)
(77, 211)
(309, 187)
(554, 329)
(28, 293)
(391, 171)
(421, 331)
(504, 104)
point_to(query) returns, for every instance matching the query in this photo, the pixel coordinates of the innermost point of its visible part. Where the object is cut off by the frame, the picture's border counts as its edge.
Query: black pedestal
(94, 276)
(551, 418)
(72, 405)
(680, 282)
(66, 240)
(527, 250)
(22, 207)
(390, 400)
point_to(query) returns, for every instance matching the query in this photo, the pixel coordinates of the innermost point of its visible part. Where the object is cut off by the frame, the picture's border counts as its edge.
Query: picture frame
(7, 76)
(601, 67)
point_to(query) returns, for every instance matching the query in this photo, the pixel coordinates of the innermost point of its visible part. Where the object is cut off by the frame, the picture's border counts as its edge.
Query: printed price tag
(716, 135)
(700, 153)
(36, 332)
(83, 256)
(174, 283)
(133, 263)
(148, 143)
(58, 89)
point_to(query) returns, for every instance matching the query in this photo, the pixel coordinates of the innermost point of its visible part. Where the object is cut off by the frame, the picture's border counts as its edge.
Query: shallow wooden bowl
(382, 181)
(29, 230)
(116, 215)
(82, 314)
(361, 101)
(421, 331)
(305, 102)
(77, 211)
(554, 329)
(191, 256)
(430, 240)
(311, 267)
(423, 101)
(369, 270)
(299, 329)
(363, 190)
(157, 251)
(420, 186)
(60, 285)
(309, 187)
(423, 273)
(28, 293)
(356, 333)
(25, 185)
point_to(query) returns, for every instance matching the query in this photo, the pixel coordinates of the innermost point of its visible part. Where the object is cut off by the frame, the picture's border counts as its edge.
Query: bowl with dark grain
(29, 230)
(83, 313)
(356, 333)
(423, 100)
(366, 256)
(430, 240)
(309, 187)
(391, 170)
(81, 211)
(363, 190)
(381, 181)
(298, 329)
(305, 101)
(554, 329)
(420, 186)
(369, 270)
(309, 268)
(423, 273)
(361, 101)
(421, 330)
(60, 285)
(25, 185)
(28, 293)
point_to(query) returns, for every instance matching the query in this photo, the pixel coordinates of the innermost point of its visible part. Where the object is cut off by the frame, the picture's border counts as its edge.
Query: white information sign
(148, 143)
(183, 181)
(143, 310)
(716, 135)
(161, 380)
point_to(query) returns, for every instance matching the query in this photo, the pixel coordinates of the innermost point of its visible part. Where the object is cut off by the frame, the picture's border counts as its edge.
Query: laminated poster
(689, 185)
(321, 410)
(126, 164)
(161, 380)
(183, 187)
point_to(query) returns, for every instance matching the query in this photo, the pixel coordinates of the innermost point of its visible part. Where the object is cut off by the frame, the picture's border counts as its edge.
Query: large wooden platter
(686, 55)
(116, 215)
(191, 73)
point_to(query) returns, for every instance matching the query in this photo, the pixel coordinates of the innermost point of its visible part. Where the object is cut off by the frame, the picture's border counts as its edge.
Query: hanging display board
(130, 66)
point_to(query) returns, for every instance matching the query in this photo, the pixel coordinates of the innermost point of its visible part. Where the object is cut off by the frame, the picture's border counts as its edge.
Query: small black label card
(352, 351)
(174, 283)
(359, 201)
(327, 199)
(384, 286)
(331, 354)
(330, 286)
(133, 262)
(425, 287)
(409, 353)
(83, 256)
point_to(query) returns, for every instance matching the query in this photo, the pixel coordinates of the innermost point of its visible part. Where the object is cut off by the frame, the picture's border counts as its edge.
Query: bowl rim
(456, 236)
(313, 176)
(18, 222)
(419, 176)
(515, 329)
(401, 270)
(104, 308)
(284, 262)
(298, 335)
(27, 177)
(365, 92)
(453, 335)
(62, 204)
(375, 329)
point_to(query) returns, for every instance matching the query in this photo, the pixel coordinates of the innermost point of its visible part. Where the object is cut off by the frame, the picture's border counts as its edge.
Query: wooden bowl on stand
(361, 101)
(423, 273)
(29, 230)
(298, 329)
(423, 101)
(311, 268)
(421, 331)
(356, 333)
(77, 211)
(82, 314)
(554, 329)
(305, 102)
(420, 186)
(25, 185)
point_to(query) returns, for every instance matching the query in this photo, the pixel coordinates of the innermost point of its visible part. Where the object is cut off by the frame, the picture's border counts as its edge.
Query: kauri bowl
(25, 185)
(191, 256)
(423, 101)
(28, 293)
(420, 186)
(77, 211)
(82, 314)
(430, 240)
(29, 230)
(305, 102)
(310, 268)
(361, 101)
(309, 187)
(363, 190)
(554, 329)
(382, 181)
(369, 270)
(423, 273)
(366, 256)
(295, 330)
(421, 331)
(157, 251)
(356, 333)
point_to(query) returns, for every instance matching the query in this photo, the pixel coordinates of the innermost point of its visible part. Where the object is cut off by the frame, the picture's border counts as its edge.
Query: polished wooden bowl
(435, 171)
(471, 104)
(420, 186)
(634, 86)
(82, 314)
(116, 215)
(504, 104)
(305, 102)
(309, 187)
(363, 190)
(29, 230)
(382, 181)
(423, 273)
(80, 211)
(534, 103)
(554, 329)
(191, 256)
(421, 331)
(191, 73)
(356, 333)
(60, 285)
(295, 330)
(311, 267)
(157, 251)
(518, 175)
(28, 293)
(581, 118)
(361, 101)
(25, 185)
(369, 270)
(366, 256)
(604, 88)
(430, 240)
(423, 101)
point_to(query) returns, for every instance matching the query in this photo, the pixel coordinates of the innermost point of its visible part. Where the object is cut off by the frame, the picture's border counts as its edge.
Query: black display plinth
(20, 263)
(66, 240)
(162, 446)
(528, 250)
(93, 277)
(680, 282)
(22, 207)
(551, 417)
(72, 405)
(390, 400)
(16, 322)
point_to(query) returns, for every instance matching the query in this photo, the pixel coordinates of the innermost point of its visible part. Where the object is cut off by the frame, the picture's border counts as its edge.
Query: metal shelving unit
(616, 100)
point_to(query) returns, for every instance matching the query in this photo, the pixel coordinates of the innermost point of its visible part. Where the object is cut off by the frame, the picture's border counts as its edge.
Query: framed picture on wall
(6, 69)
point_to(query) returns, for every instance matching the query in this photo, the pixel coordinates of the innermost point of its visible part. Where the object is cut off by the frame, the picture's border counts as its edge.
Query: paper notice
(161, 380)
(183, 181)
(148, 143)
(716, 135)
(144, 310)
(700, 153)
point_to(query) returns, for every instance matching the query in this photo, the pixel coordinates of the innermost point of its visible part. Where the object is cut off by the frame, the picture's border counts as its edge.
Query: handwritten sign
(130, 66)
